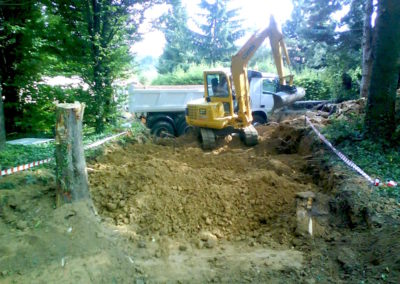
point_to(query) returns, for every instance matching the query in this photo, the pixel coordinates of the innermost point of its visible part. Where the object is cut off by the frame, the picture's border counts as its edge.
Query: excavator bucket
(282, 99)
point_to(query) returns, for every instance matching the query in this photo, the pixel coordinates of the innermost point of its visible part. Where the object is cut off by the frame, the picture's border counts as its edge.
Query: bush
(316, 88)
(39, 108)
(193, 76)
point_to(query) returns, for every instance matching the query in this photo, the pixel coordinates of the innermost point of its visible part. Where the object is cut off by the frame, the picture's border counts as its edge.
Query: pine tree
(178, 52)
(216, 43)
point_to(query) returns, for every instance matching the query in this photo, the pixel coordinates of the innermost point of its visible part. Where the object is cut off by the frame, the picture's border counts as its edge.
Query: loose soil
(167, 211)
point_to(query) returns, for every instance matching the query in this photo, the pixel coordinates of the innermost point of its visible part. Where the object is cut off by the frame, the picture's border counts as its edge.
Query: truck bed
(163, 98)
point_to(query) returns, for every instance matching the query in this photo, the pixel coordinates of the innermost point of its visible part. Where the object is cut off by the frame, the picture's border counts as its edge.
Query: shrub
(193, 76)
(316, 88)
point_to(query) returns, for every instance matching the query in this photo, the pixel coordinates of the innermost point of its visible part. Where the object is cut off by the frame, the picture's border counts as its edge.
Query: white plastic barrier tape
(346, 160)
(46, 161)
(102, 141)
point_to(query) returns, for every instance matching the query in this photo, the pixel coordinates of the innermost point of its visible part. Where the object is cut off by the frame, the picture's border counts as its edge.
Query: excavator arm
(241, 59)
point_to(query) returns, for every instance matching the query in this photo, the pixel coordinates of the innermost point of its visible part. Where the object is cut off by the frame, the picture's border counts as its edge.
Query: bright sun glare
(255, 15)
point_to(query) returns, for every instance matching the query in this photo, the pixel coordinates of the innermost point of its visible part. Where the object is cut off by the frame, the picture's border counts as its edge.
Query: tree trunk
(2, 124)
(72, 181)
(367, 50)
(12, 107)
(380, 113)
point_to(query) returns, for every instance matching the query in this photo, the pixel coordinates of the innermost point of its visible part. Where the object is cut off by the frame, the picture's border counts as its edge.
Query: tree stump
(72, 180)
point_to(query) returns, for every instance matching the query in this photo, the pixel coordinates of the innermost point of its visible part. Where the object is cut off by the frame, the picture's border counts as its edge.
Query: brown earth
(171, 212)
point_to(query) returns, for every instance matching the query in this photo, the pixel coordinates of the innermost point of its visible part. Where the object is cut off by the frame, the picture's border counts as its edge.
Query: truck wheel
(207, 138)
(163, 129)
(258, 120)
(249, 136)
(183, 128)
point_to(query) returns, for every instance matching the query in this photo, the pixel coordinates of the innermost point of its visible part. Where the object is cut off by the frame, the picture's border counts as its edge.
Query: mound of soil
(236, 191)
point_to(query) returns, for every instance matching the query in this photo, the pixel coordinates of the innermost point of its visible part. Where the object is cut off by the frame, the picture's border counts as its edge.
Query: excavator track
(250, 136)
(208, 138)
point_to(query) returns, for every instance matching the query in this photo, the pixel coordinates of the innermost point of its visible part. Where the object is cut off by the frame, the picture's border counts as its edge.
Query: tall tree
(20, 28)
(216, 43)
(2, 124)
(178, 52)
(319, 39)
(380, 113)
(367, 49)
(313, 31)
(102, 32)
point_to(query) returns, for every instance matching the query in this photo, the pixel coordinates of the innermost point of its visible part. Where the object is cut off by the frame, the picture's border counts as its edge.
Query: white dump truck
(163, 107)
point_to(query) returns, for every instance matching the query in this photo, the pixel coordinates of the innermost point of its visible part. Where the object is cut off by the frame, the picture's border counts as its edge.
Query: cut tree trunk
(72, 181)
(2, 124)
(380, 112)
(367, 50)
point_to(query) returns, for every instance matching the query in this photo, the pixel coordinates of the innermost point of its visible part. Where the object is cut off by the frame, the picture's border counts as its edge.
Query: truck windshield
(217, 86)
(269, 86)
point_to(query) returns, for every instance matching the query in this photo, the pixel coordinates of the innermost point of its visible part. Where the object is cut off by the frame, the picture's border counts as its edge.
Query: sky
(255, 15)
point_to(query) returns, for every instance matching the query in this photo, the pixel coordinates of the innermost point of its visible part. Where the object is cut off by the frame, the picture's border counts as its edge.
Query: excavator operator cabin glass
(217, 86)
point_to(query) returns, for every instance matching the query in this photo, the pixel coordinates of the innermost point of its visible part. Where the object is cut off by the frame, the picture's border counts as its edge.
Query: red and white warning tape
(25, 167)
(46, 161)
(346, 160)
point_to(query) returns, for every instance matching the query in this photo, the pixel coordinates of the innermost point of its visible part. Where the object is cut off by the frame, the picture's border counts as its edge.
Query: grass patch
(14, 155)
(379, 160)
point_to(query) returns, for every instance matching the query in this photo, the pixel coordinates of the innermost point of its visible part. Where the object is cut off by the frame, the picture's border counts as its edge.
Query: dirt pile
(41, 244)
(234, 192)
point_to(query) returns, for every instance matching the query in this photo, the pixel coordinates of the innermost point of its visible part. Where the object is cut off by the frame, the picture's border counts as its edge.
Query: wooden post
(72, 181)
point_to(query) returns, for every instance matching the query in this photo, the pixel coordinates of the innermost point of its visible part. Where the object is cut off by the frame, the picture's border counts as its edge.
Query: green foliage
(216, 41)
(338, 82)
(316, 88)
(22, 37)
(379, 160)
(263, 61)
(97, 36)
(193, 76)
(39, 111)
(329, 83)
(14, 155)
(178, 52)
(318, 39)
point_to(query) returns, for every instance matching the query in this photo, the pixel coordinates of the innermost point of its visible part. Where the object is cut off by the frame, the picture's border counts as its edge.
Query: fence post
(71, 175)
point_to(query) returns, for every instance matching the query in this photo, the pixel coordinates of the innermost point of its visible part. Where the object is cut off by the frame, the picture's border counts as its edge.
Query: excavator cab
(217, 110)
(218, 89)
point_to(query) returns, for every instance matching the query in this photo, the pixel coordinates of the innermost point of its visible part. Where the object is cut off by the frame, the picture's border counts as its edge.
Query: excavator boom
(240, 62)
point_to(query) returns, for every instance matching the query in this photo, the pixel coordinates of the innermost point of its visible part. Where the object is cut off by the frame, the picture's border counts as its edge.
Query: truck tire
(163, 129)
(183, 127)
(258, 119)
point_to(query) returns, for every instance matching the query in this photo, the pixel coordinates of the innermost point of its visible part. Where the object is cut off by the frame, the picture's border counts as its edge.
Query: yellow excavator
(226, 105)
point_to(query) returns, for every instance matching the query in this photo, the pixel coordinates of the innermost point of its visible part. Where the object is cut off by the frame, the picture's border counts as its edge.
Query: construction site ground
(169, 212)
